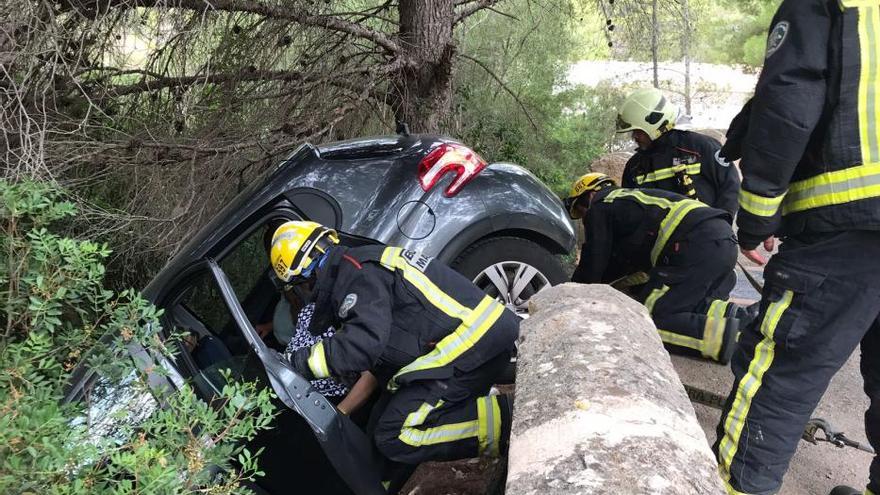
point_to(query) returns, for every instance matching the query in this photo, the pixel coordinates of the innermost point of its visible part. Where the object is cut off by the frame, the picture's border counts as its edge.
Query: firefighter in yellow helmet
(675, 160)
(433, 339)
(686, 248)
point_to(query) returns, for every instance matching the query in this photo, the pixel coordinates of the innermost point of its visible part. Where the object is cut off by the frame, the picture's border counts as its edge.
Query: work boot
(845, 490)
(731, 335)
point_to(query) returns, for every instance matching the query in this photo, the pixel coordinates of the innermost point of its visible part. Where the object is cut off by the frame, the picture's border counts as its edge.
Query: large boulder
(599, 408)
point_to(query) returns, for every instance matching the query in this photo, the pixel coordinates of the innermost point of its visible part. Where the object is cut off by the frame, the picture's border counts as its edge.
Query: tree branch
(501, 83)
(471, 8)
(300, 16)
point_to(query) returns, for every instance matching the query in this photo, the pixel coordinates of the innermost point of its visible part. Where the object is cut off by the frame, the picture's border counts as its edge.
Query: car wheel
(510, 269)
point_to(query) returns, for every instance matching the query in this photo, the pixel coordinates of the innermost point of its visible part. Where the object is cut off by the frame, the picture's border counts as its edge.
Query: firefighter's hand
(756, 257)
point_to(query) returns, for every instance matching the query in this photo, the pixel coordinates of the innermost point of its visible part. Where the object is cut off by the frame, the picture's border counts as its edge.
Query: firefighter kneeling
(429, 334)
(686, 247)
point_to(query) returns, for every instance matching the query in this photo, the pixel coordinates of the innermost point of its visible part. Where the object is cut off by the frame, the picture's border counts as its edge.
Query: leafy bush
(54, 314)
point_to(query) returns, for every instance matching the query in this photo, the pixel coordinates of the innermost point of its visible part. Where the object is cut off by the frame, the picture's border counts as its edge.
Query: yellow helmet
(293, 248)
(647, 109)
(593, 181)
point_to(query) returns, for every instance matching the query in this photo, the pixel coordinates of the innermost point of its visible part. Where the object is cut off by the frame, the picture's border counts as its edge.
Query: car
(496, 224)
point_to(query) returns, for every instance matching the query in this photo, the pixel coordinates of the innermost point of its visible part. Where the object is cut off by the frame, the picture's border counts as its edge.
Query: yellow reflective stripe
(640, 196)
(318, 362)
(489, 418)
(869, 82)
(858, 3)
(759, 205)
(386, 485)
(832, 188)
(713, 332)
(666, 173)
(471, 330)
(671, 222)
(673, 338)
(678, 210)
(654, 296)
(731, 490)
(440, 434)
(868, 492)
(750, 383)
(392, 259)
(418, 416)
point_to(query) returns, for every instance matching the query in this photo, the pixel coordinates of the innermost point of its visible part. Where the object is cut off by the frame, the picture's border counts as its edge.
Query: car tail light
(450, 157)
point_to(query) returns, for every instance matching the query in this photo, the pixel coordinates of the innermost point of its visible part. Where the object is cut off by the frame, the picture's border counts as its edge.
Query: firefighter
(680, 161)
(428, 334)
(811, 169)
(686, 247)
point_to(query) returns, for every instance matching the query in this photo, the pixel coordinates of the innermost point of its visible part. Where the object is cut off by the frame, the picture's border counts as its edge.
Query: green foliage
(532, 117)
(733, 31)
(55, 313)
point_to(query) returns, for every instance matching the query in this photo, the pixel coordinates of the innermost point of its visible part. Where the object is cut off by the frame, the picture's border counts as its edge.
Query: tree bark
(422, 90)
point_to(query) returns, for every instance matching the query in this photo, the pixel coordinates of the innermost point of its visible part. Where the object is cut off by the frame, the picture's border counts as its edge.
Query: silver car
(497, 224)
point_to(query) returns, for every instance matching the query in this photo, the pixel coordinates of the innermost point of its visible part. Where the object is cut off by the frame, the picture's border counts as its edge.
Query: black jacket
(403, 316)
(639, 226)
(811, 155)
(715, 180)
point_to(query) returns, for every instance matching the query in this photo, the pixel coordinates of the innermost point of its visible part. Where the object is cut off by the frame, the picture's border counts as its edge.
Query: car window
(200, 315)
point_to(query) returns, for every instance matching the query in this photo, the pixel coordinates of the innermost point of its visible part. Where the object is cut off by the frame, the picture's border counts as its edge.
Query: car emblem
(347, 303)
(777, 37)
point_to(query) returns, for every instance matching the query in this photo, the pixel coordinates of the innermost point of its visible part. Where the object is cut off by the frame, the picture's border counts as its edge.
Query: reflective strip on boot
(680, 340)
(750, 383)
(489, 417)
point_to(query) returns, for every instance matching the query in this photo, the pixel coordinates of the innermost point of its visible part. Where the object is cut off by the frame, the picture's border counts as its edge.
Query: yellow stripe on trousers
(654, 296)
(750, 383)
(713, 332)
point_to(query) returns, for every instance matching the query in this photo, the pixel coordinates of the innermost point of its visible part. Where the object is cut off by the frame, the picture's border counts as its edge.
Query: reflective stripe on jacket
(811, 156)
(405, 317)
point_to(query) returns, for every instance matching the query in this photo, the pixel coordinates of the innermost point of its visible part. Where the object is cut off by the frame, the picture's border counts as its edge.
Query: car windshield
(114, 411)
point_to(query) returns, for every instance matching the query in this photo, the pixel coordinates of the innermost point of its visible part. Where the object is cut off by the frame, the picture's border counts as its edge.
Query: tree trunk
(423, 88)
(686, 49)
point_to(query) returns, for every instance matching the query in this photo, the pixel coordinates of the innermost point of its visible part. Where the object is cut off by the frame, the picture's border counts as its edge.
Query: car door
(347, 447)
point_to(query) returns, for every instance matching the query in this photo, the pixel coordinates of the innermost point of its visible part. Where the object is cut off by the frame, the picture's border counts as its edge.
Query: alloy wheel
(512, 283)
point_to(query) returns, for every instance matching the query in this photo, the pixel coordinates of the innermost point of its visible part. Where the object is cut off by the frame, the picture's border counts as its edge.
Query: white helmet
(648, 110)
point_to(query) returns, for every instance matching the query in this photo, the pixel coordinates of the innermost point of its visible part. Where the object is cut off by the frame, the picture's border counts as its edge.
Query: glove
(299, 360)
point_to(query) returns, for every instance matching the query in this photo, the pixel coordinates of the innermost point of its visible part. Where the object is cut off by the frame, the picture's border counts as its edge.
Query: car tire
(520, 266)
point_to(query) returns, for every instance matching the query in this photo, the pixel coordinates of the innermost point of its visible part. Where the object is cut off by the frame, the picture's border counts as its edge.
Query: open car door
(347, 447)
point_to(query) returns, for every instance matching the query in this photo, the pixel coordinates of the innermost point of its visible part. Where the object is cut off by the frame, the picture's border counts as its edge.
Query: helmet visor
(622, 125)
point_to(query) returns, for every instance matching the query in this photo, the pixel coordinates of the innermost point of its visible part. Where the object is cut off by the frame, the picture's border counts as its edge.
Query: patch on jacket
(721, 160)
(777, 36)
(347, 303)
(416, 259)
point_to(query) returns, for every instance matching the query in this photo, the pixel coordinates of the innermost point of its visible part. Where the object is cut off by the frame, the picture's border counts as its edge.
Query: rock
(599, 408)
(611, 164)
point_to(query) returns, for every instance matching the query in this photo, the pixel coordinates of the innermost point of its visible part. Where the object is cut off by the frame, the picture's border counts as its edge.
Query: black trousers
(442, 420)
(687, 293)
(821, 301)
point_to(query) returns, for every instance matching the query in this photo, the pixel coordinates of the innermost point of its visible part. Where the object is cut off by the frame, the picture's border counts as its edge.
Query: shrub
(55, 314)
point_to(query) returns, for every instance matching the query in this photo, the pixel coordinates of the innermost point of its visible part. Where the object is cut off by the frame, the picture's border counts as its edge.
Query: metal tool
(814, 426)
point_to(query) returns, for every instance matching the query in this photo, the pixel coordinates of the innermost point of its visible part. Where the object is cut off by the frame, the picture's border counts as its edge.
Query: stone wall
(599, 408)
